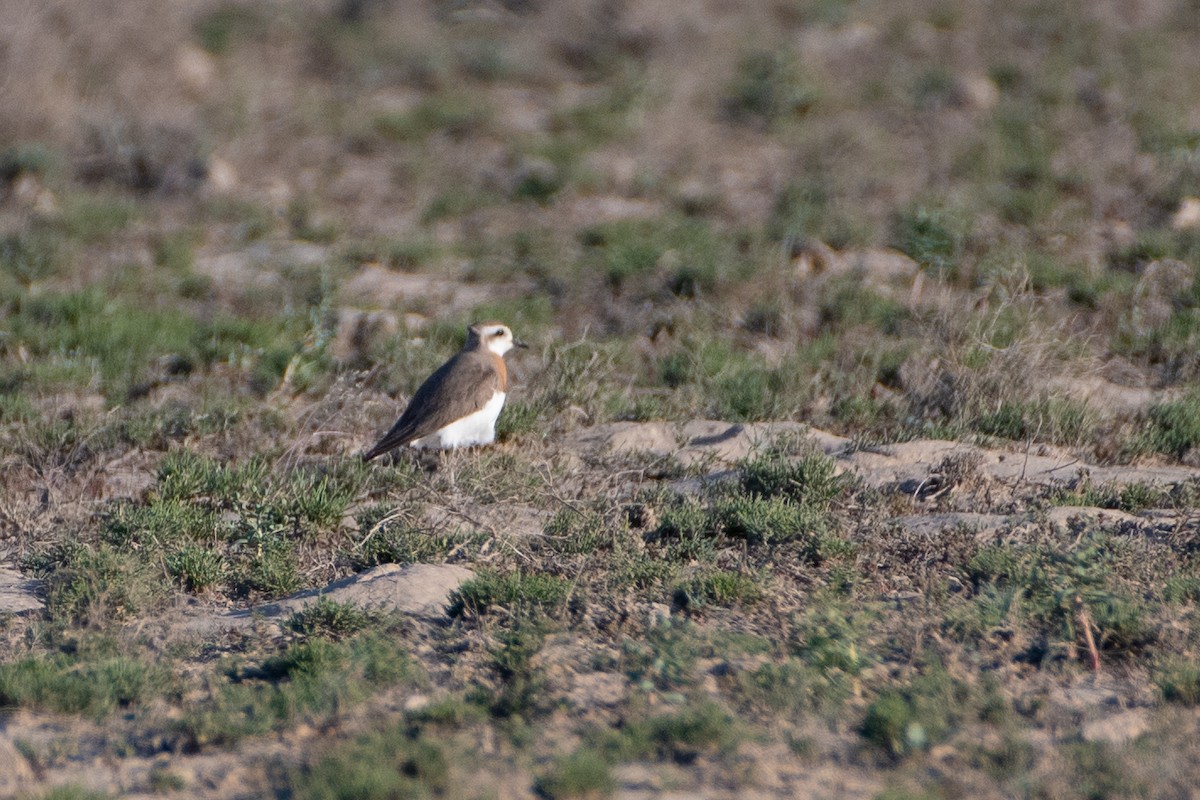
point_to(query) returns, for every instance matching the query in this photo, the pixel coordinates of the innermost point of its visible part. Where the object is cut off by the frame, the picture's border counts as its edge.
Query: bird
(457, 406)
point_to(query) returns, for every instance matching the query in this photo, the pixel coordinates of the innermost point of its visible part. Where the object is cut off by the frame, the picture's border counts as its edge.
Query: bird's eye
(497, 333)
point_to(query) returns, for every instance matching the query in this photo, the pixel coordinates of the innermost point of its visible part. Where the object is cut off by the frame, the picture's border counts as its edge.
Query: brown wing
(461, 386)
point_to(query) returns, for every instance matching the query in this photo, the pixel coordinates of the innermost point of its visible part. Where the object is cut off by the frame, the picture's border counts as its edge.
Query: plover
(457, 406)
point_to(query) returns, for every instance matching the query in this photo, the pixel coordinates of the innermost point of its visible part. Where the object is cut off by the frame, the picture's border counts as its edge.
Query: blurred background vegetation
(886, 218)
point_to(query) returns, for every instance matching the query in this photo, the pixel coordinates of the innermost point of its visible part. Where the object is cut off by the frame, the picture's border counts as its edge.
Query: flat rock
(657, 438)
(701, 441)
(378, 287)
(418, 589)
(933, 524)
(1117, 728)
(422, 590)
(916, 460)
(1062, 515)
(705, 440)
(18, 594)
(715, 446)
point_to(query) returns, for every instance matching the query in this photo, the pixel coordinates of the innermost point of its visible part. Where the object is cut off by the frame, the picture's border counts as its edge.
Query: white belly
(477, 428)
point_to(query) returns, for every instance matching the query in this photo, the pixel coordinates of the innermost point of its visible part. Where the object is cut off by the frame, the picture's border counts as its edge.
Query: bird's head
(493, 336)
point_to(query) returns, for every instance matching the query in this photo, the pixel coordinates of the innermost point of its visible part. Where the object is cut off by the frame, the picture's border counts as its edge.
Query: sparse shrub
(1179, 681)
(101, 585)
(269, 567)
(1097, 769)
(1046, 419)
(450, 712)
(769, 520)
(1174, 426)
(95, 217)
(319, 501)
(162, 780)
(800, 211)
(747, 392)
(176, 252)
(197, 568)
(312, 680)
(687, 255)
(787, 686)
(933, 89)
(31, 256)
(720, 588)
(219, 29)
(76, 686)
(392, 538)
(159, 524)
(519, 418)
(1182, 589)
(329, 619)
(29, 158)
(809, 480)
(1052, 584)
(16, 408)
(665, 660)
(831, 641)
(685, 518)
(848, 304)
(767, 88)
(931, 237)
(577, 531)
(583, 773)
(924, 712)
(108, 336)
(522, 688)
(514, 592)
(453, 113)
(70, 792)
(376, 766)
(682, 735)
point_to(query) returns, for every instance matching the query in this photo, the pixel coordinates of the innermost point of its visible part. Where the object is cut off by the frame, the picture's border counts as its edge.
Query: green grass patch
(456, 114)
(515, 592)
(1178, 679)
(1044, 586)
(380, 765)
(581, 774)
(915, 716)
(329, 619)
(768, 87)
(932, 237)
(701, 727)
(718, 588)
(664, 660)
(312, 681)
(392, 537)
(1173, 427)
(680, 256)
(78, 685)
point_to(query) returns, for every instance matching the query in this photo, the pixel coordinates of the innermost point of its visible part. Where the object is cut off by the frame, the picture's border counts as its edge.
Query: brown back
(461, 386)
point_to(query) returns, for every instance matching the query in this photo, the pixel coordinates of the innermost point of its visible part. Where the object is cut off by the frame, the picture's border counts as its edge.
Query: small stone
(222, 177)
(1188, 216)
(195, 68)
(658, 614)
(977, 92)
(416, 702)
